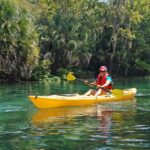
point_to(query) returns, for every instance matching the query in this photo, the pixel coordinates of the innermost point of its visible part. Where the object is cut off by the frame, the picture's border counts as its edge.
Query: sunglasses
(102, 71)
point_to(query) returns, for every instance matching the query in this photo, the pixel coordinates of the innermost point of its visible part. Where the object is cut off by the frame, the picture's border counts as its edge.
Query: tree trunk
(126, 72)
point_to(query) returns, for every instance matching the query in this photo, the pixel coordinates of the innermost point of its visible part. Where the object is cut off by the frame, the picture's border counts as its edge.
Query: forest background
(41, 39)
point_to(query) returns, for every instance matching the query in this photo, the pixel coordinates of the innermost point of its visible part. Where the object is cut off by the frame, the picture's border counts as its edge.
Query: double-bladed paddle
(115, 92)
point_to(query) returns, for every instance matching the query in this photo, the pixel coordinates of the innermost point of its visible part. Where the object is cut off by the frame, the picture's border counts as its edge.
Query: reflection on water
(44, 116)
(97, 124)
(118, 125)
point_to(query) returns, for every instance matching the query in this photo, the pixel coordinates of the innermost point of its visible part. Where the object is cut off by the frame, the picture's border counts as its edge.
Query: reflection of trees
(111, 119)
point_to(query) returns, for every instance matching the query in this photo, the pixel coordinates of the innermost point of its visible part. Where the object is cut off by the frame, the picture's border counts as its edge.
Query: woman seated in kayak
(103, 83)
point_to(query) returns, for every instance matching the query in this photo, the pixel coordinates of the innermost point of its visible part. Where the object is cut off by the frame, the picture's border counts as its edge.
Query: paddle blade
(117, 92)
(70, 76)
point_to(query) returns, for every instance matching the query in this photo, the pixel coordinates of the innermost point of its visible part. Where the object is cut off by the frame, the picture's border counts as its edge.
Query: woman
(103, 83)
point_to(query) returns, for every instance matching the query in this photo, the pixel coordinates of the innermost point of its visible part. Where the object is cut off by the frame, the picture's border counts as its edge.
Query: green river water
(112, 126)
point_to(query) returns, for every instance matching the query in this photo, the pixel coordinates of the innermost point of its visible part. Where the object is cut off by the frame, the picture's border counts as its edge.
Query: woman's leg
(90, 92)
(98, 92)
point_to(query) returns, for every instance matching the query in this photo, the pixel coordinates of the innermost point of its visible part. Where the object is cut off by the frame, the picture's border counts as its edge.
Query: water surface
(121, 125)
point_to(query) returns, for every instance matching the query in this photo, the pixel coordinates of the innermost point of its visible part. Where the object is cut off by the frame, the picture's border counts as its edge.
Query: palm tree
(19, 51)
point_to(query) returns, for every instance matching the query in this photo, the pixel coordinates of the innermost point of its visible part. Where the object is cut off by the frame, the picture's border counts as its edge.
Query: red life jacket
(102, 81)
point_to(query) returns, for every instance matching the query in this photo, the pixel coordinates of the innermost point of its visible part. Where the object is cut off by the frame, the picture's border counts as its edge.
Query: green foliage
(62, 71)
(83, 74)
(73, 34)
(42, 71)
(141, 65)
(72, 45)
(19, 51)
(67, 33)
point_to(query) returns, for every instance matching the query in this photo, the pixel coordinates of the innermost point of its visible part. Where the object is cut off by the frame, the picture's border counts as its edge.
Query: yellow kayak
(52, 101)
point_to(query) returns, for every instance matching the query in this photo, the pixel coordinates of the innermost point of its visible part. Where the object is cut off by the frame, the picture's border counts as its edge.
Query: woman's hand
(86, 82)
(98, 86)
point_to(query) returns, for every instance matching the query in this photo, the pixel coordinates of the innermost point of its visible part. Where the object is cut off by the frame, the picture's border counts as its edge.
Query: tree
(69, 35)
(19, 51)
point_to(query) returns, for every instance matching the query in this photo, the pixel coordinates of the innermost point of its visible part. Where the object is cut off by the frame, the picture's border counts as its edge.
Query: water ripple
(144, 109)
(142, 127)
(12, 109)
(142, 95)
(133, 140)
